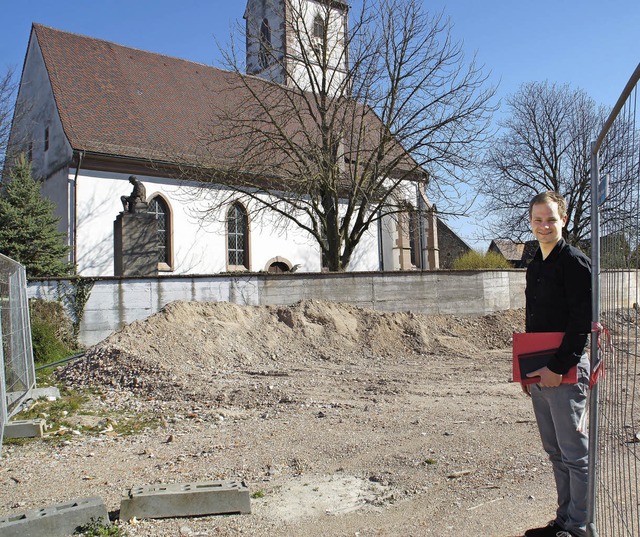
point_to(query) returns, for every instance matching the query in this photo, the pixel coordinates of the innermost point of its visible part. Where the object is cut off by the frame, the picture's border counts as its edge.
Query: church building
(92, 116)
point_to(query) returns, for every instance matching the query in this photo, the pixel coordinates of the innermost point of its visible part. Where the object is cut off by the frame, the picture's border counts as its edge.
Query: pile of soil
(174, 354)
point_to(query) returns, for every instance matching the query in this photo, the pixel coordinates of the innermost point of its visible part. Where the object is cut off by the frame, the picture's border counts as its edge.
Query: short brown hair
(548, 197)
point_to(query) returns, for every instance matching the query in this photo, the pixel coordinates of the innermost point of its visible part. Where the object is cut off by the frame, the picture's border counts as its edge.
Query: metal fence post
(595, 316)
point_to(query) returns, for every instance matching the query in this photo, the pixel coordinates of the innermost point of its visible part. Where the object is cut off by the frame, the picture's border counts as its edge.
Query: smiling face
(547, 223)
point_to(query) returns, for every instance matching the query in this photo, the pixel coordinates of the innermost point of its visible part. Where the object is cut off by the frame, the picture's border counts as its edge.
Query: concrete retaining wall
(115, 302)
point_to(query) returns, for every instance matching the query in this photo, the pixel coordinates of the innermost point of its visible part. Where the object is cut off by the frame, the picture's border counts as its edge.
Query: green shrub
(51, 331)
(473, 260)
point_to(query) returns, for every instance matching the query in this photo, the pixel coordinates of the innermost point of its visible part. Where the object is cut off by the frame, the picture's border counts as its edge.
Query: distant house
(517, 253)
(99, 112)
(450, 244)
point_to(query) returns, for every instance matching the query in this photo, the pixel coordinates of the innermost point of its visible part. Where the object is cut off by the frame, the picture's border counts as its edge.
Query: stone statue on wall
(136, 201)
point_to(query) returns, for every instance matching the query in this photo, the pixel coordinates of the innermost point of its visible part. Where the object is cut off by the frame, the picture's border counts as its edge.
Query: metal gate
(614, 476)
(17, 371)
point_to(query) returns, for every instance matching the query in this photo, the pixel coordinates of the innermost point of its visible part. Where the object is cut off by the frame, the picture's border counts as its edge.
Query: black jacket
(558, 297)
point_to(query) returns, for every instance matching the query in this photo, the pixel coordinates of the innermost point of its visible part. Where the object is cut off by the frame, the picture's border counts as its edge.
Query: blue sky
(588, 44)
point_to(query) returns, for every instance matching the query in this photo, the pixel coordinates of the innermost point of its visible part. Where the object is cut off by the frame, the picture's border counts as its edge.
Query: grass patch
(96, 528)
(51, 331)
(76, 412)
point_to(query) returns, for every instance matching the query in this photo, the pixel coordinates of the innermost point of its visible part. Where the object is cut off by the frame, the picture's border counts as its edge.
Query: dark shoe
(550, 530)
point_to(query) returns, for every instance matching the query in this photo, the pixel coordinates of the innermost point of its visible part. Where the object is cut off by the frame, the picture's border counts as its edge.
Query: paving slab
(48, 392)
(185, 500)
(55, 521)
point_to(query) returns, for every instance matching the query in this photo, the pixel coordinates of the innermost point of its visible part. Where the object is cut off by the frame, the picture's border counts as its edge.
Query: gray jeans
(558, 411)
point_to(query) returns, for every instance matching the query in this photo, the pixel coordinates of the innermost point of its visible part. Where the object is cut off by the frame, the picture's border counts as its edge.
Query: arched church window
(160, 209)
(237, 236)
(264, 56)
(318, 34)
(318, 27)
(414, 238)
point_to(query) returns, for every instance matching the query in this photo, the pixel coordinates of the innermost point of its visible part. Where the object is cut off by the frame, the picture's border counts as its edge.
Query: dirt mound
(171, 354)
(354, 421)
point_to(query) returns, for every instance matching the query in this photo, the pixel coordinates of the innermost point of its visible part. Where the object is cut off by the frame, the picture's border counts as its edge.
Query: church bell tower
(295, 42)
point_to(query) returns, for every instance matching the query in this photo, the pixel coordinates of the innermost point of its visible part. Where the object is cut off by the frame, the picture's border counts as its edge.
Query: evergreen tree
(28, 227)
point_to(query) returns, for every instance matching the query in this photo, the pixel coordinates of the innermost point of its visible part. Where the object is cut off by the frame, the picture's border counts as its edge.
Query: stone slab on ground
(56, 520)
(24, 428)
(185, 499)
(48, 392)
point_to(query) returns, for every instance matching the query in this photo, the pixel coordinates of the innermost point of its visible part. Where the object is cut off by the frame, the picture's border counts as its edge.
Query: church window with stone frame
(408, 239)
(318, 33)
(264, 57)
(414, 238)
(160, 209)
(237, 237)
(318, 27)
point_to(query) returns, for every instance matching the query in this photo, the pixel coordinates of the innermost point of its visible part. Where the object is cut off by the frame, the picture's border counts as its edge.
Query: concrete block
(184, 500)
(48, 392)
(25, 428)
(55, 521)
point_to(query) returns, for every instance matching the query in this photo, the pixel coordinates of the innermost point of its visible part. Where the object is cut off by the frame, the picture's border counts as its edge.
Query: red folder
(532, 351)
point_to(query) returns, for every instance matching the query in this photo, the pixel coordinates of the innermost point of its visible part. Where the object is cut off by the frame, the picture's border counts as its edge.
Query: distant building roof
(517, 253)
(510, 250)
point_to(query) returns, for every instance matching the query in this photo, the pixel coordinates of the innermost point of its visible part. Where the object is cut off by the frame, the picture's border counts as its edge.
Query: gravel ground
(341, 421)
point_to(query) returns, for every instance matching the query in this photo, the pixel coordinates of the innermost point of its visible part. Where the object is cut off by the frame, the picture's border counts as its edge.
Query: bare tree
(7, 100)
(356, 118)
(546, 146)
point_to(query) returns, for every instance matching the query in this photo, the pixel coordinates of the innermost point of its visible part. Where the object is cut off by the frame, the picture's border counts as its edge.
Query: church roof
(122, 101)
(127, 103)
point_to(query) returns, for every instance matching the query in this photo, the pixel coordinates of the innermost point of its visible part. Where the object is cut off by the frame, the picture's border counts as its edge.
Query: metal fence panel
(17, 370)
(615, 399)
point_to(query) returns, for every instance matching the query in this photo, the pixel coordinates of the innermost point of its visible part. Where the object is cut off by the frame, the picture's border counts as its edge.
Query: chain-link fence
(614, 508)
(17, 372)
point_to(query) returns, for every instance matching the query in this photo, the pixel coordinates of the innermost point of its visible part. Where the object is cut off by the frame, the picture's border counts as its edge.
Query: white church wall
(97, 205)
(36, 114)
(270, 239)
(36, 118)
(199, 245)
(366, 256)
(58, 188)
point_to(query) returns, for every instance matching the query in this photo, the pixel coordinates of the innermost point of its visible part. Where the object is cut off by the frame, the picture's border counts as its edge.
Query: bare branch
(352, 119)
(8, 88)
(545, 145)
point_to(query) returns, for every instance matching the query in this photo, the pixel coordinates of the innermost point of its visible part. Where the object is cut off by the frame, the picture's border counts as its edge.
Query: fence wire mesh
(615, 400)
(17, 372)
